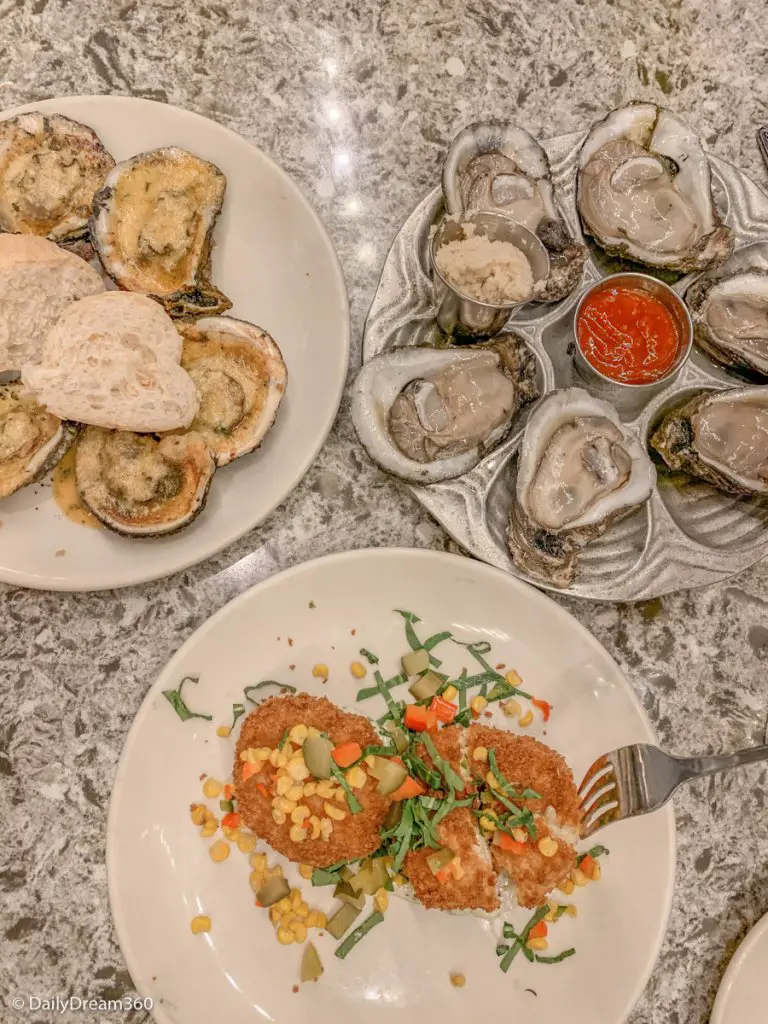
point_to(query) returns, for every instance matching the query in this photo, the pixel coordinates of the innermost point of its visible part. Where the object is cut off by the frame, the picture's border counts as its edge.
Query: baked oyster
(152, 226)
(240, 378)
(428, 414)
(494, 165)
(578, 470)
(50, 169)
(729, 309)
(32, 440)
(644, 191)
(141, 485)
(720, 437)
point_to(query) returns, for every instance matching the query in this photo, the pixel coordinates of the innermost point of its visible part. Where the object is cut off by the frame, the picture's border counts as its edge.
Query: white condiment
(495, 272)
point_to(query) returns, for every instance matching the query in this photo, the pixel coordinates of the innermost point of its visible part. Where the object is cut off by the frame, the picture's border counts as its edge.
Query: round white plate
(160, 874)
(274, 260)
(742, 997)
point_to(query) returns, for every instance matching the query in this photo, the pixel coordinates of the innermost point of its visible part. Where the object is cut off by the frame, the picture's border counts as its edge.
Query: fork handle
(695, 767)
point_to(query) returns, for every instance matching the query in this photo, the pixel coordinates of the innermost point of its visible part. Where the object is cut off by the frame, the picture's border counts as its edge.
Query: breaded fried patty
(476, 889)
(352, 838)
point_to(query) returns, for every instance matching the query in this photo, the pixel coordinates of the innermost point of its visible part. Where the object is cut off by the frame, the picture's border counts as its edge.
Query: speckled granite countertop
(389, 83)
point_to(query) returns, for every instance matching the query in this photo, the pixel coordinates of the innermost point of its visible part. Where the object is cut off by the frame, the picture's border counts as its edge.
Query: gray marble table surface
(358, 99)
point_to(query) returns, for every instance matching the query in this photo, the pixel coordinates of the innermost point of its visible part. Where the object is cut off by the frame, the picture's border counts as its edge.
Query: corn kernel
(487, 824)
(298, 734)
(305, 870)
(244, 755)
(259, 862)
(282, 785)
(297, 834)
(597, 872)
(274, 755)
(297, 770)
(298, 816)
(285, 936)
(480, 754)
(520, 835)
(299, 930)
(399, 879)
(312, 731)
(231, 833)
(295, 898)
(212, 788)
(295, 793)
(302, 911)
(370, 760)
(450, 693)
(340, 796)
(358, 670)
(491, 780)
(381, 900)
(223, 731)
(548, 847)
(286, 805)
(325, 789)
(282, 759)
(513, 678)
(457, 869)
(572, 911)
(320, 671)
(219, 851)
(478, 704)
(209, 829)
(314, 823)
(310, 788)
(274, 915)
(334, 812)
(197, 814)
(316, 919)
(326, 827)
(275, 872)
(356, 777)
(458, 980)
(200, 924)
(525, 720)
(246, 842)
(566, 887)
(579, 878)
(511, 708)
(256, 880)
(284, 905)
(278, 817)
(538, 945)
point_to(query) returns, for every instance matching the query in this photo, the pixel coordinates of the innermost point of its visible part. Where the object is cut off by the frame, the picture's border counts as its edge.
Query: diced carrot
(588, 866)
(249, 769)
(231, 820)
(444, 874)
(507, 843)
(346, 754)
(411, 787)
(228, 792)
(263, 790)
(544, 707)
(431, 722)
(416, 718)
(539, 931)
(444, 709)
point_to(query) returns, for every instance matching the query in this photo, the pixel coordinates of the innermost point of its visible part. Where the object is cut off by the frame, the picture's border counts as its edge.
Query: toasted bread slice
(112, 360)
(38, 280)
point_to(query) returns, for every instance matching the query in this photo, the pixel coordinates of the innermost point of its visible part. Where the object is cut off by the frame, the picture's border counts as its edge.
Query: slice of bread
(37, 281)
(112, 360)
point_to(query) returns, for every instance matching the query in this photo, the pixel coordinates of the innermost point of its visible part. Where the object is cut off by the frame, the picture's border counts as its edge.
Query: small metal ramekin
(622, 394)
(459, 314)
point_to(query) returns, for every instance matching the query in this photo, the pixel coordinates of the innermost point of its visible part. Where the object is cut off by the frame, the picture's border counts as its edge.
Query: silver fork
(640, 778)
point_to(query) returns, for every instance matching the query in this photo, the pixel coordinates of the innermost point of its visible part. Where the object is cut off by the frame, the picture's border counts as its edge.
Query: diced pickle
(392, 778)
(346, 892)
(425, 686)
(274, 889)
(342, 920)
(415, 662)
(317, 756)
(311, 968)
(439, 859)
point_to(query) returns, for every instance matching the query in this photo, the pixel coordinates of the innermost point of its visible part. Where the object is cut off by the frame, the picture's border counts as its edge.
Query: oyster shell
(720, 437)
(644, 191)
(152, 225)
(50, 168)
(579, 468)
(494, 165)
(240, 378)
(140, 485)
(428, 414)
(32, 440)
(729, 309)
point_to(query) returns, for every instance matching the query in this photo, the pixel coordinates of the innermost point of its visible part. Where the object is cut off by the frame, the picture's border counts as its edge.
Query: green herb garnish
(282, 688)
(359, 933)
(370, 658)
(373, 691)
(312, 604)
(413, 640)
(283, 739)
(595, 852)
(521, 939)
(177, 701)
(238, 710)
(352, 802)
(506, 785)
(555, 959)
(329, 875)
(394, 709)
(452, 779)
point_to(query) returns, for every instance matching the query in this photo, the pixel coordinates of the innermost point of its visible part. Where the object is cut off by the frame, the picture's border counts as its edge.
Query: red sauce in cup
(628, 335)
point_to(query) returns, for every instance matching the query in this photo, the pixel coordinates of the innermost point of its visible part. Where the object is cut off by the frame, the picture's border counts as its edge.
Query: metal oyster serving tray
(688, 534)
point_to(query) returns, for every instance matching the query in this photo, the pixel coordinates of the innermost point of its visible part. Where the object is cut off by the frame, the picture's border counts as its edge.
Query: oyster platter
(151, 305)
(566, 358)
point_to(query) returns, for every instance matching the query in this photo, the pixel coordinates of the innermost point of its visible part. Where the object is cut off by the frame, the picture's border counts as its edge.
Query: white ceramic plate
(160, 874)
(742, 997)
(274, 260)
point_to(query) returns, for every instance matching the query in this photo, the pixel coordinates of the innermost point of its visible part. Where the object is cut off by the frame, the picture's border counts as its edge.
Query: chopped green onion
(370, 658)
(176, 701)
(555, 959)
(282, 687)
(359, 933)
(352, 802)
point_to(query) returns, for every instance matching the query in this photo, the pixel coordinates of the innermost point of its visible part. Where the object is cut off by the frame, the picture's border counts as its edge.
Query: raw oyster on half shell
(152, 227)
(644, 191)
(579, 468)
(499, 167)
(50, 169)
(720, 437)
(427, 414)
(32, 440)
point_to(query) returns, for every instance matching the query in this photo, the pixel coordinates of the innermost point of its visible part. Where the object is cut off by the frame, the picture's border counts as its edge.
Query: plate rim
(745, 947)
(86, 584)
(276, 579)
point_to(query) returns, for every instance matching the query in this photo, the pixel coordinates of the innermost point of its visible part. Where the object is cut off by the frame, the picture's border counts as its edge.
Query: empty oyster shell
(720, 437)
(579, 468)
(644, 191)
(494, 165)
(50, 168)
(428, 414)
(152, 225)
(240, 378)
(729, 309)
(140, 485)
(32, 440)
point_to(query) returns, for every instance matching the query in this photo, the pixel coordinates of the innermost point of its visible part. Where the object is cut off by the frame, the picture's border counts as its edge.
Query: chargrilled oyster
(50, 169)
(720, 437)
(152, 227)
(578, 470)
(644, 191)
(499, 167)
(141, 485)
(32, 440)
(240, 378)
(427, 415)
